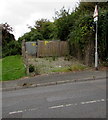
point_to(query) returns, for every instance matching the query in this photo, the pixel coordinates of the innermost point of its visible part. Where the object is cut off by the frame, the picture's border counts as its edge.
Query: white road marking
(89, 102)
(102, 100)
(15, 112)
(67, 105)
(20, 111)
(32, 109)
(60, 106)
(56, 106)
(83, 103)
(98, 100)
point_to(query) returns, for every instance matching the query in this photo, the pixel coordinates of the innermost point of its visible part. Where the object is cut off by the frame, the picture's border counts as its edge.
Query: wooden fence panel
(52, 48)
(64, 49)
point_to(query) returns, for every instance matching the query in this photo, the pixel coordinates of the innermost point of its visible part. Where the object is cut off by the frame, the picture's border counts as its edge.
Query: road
(71, 100)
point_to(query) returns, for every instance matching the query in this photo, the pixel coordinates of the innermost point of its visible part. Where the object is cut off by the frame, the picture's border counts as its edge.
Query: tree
(9, 45)
(33, 35)
(7, 36)
(64, 23)
(103, 35)
(82, 34)
(46, 28)
(43, 30)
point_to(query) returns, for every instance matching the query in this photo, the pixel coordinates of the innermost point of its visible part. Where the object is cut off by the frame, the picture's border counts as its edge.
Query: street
(71, 100)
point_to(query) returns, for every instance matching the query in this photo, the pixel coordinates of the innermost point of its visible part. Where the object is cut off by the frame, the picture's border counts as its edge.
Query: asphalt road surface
(70, 100)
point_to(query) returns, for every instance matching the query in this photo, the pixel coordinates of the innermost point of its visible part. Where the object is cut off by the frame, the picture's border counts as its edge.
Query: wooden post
(38, 47)
(23, 48)
(27, 64)
(25, 57)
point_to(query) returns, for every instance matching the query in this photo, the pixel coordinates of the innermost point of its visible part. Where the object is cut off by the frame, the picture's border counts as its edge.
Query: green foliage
(64, 23)
(63, 69)
(103, 35)
(9, 45)
(34, 69)
(11, 48)
(43, 29)
(86, 7)
(12, 68)
(54, 58)
(31, 68)
(33, 35)
(6, 34)
(77, 67)
(83, 32)
(46, 28)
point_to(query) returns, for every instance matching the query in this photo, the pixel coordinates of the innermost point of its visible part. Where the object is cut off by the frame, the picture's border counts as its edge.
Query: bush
(11, 48)
(31, 68)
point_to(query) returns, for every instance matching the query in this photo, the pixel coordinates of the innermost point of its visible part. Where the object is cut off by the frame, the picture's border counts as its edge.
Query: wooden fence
(52, 48)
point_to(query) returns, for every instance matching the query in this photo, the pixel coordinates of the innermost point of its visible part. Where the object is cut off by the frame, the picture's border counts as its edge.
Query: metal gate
(31, 48)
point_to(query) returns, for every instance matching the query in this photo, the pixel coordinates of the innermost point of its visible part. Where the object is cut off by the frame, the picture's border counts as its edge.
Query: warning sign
(33, 44)
(46, 42)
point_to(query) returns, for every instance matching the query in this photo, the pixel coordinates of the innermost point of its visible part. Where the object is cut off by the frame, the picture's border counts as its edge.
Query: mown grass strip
(12, 68)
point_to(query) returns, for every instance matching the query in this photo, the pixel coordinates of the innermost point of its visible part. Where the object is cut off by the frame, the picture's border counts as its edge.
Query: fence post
(26, 61)
(23, 48)
(25, 57)
(38, 47)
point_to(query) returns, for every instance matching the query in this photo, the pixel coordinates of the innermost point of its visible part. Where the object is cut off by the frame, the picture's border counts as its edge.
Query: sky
(20, 14)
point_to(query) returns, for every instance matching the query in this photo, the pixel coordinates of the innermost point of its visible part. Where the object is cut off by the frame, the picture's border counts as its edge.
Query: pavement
(53, 79)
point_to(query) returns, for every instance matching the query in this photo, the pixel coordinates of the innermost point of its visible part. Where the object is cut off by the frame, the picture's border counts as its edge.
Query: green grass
(75, 67)
(12, 68)
(63, 69)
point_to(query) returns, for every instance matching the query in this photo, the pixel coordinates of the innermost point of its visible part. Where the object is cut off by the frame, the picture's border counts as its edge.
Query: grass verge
(12, 68)
(75, 67)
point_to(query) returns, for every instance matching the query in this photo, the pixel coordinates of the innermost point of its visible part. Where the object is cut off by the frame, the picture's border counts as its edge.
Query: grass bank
(12, 68)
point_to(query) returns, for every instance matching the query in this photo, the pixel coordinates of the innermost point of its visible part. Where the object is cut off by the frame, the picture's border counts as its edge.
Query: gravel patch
(51, 64)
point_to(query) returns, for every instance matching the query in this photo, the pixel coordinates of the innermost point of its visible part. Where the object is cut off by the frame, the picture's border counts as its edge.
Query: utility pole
(96, 51)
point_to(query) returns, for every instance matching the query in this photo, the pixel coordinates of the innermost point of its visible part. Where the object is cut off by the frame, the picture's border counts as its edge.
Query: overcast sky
(20, 13)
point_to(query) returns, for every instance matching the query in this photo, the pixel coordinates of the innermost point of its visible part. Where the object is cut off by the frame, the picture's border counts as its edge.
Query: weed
(54, 58)
(76, 67)
(67, 57)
